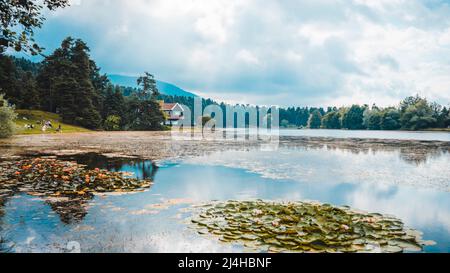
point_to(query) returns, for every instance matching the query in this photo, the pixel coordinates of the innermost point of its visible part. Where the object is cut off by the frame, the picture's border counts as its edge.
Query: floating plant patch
(304, 227)
(52, 177)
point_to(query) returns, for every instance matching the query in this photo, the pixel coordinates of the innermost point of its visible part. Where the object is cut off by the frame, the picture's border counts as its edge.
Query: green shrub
(7, 117)
(112, 123)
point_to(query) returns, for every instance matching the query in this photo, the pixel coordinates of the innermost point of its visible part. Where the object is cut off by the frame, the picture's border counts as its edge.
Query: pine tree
(8, 80)
(66, 84)
(28, 91)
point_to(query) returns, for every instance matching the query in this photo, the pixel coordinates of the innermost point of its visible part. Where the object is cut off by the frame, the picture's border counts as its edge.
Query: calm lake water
(416, 191)
(415, 135)
(404, 135)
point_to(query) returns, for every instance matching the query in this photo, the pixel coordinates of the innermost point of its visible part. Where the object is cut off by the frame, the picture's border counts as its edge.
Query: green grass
(36, 116)
(439, 129)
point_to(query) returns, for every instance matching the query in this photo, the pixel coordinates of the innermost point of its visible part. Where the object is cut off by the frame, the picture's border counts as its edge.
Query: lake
(365, 134)
(383, 181)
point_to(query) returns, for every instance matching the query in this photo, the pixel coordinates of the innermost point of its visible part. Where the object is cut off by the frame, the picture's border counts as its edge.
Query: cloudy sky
(286, 52)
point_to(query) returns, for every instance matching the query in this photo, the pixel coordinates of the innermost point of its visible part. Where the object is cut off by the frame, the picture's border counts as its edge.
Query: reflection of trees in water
(144, 169)
(4, 246)
(419, 157)
(70, 210)
(413, 152)
(73, 209)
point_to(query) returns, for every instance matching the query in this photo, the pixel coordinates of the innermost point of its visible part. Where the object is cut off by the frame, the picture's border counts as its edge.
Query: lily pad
(304, 227)
(54, 177)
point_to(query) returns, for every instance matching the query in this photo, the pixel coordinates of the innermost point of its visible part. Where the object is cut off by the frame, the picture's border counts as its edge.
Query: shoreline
(159, 145)
(437, 130)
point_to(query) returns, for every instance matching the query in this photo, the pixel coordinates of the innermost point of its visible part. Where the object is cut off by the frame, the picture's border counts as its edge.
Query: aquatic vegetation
(67, 187)
(304, 227)
(52, 177)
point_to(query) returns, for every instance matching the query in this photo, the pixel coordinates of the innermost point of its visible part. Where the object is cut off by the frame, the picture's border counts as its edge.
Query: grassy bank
(35, 118)
(439, 130)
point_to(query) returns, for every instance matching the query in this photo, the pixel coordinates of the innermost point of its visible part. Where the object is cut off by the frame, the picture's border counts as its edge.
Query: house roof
(168, 106)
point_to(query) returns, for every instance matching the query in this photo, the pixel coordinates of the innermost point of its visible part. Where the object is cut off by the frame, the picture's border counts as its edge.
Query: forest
(413, 113)
(68, 82)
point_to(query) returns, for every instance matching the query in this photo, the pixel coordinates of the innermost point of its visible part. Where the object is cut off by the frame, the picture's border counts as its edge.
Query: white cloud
(282, 52)
(247, 57)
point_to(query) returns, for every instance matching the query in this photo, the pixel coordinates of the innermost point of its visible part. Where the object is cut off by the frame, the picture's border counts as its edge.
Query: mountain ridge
(163, 87)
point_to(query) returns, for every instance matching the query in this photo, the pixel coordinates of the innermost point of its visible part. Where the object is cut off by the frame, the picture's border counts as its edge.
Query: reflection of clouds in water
(131, 240)
(33, 241)
(324, 165)
(415, 209)
(180, 243)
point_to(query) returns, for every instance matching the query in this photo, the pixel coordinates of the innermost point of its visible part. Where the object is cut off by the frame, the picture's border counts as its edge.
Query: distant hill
(163, 87)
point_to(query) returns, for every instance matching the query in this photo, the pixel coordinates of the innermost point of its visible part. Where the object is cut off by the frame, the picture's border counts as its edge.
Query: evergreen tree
(144, 115)
(315, 120)
(29, 94)
(148, 86)
(114, 105)
(8, 80)
(55, 68)
(66, 85)
(66, 89)
(144, 111)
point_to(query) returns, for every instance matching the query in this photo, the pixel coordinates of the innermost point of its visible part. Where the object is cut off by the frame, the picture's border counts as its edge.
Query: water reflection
(73, 209)
(375, 180)
(70, 210)
(328, 163)
(369, 134)
(424, 209)
(143, 169)
(413, 152)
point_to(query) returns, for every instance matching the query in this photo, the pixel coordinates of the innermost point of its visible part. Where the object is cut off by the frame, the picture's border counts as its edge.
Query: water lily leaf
(305, 227)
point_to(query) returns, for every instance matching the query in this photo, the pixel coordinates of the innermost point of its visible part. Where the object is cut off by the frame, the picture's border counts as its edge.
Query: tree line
(69, 82)
(413, 113)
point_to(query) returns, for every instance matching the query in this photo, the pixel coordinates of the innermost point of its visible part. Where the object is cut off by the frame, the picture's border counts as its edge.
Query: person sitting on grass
(48, 123)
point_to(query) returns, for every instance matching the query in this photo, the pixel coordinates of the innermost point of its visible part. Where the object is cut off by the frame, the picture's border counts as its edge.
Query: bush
(7, 117)
(112, 123)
